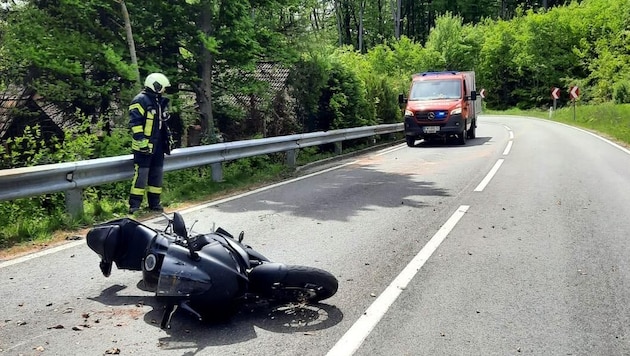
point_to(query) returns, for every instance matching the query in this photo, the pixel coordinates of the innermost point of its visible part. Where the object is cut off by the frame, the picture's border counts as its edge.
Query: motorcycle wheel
(305, 284)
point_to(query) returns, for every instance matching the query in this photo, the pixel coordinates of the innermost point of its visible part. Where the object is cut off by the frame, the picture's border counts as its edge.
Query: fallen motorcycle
(209, 275)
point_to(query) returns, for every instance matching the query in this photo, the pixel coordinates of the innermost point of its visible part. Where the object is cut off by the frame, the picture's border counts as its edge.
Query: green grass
(609, 120)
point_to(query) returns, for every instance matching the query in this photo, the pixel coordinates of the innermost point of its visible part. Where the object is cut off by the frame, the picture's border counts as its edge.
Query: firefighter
(152, 139)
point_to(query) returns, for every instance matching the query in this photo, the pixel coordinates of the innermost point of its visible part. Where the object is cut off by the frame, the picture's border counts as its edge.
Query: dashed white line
(359, 331)
(508, 148)
(489, 176)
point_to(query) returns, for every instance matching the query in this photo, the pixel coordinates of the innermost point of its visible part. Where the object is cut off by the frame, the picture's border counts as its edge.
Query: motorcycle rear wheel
(305, 284)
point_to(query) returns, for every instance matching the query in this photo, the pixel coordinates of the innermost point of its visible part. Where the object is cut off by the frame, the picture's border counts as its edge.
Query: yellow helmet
(157, 82)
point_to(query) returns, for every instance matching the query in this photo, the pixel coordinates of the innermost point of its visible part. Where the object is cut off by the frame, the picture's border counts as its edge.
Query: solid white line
(194, 208)
(489, 176)
(508, 148)
(359, 331)
(41, 253)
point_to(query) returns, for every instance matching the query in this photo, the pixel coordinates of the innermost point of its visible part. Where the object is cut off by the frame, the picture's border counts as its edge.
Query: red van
(441, 105)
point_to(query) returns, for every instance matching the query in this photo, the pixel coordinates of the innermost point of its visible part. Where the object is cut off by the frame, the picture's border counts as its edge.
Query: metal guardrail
(72, 177)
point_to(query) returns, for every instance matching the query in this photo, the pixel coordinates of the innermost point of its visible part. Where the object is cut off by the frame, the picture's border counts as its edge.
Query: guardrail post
(338, 148)
(74, 202)
(217, 172)
(291, 158)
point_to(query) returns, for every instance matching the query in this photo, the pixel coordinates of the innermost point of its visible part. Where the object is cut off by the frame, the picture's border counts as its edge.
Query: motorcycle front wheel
(305, 284)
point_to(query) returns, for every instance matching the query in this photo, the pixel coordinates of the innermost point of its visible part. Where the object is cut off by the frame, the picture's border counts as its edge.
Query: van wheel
(411, 141)
(461, 137)
(472, 131)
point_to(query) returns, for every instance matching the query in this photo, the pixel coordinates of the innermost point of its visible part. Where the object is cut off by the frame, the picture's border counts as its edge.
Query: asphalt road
(513, 244)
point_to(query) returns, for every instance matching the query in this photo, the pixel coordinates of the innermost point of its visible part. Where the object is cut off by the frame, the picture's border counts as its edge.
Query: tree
(65, 52)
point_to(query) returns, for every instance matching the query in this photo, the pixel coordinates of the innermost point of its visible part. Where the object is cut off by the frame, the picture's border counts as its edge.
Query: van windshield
(435, 90)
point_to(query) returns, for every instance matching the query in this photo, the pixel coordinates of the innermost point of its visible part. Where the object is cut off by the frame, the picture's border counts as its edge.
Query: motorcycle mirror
(241, 236)
(179, 226)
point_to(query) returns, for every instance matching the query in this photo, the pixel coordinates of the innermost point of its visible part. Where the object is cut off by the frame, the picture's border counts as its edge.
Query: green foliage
(306, 81)
(63, 51)
(448, 40)
(621, 92)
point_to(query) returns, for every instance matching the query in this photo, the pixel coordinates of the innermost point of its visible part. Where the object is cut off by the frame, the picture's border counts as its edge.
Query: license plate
(431, 129)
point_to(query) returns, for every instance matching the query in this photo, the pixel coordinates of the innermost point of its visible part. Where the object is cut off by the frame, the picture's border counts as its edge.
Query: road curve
(512, 244)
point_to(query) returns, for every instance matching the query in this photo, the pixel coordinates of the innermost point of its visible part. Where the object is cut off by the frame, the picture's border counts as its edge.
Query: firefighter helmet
(157, 82)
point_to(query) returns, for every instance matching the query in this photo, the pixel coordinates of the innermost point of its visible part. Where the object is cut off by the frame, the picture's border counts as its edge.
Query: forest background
(340, 64)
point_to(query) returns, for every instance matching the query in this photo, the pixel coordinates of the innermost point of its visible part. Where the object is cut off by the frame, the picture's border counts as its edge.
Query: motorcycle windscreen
(179, 277)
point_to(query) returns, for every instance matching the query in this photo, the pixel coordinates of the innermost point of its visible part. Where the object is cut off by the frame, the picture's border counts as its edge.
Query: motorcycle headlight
(408, 113)
(150, 262)
(456, 111)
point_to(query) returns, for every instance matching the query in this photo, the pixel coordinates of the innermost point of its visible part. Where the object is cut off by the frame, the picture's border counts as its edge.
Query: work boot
(133, 209)
(157, 208)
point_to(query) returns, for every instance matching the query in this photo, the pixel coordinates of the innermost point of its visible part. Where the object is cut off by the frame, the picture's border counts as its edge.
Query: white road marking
(489, 176)
(41, 253)
(359, 331)
(508, 148)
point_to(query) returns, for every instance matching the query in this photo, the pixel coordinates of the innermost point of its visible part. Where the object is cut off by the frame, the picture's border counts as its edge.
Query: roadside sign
(483, 93)
(574, 92)
(555, 93)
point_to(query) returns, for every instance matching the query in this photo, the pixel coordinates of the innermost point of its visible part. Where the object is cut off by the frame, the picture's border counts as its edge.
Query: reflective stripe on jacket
(145, 113)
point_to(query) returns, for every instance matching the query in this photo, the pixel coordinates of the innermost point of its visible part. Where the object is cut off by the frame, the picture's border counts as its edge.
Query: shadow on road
(193, 336)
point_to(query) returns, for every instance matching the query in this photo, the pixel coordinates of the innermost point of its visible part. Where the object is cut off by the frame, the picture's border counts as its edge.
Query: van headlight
(456, 111)
(408, 113)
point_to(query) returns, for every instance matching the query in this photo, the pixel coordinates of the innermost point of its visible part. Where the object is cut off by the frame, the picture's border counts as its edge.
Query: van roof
(436, 74)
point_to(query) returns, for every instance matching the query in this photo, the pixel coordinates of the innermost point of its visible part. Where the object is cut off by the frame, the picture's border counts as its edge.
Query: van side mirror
(473, 95)
(402, 99)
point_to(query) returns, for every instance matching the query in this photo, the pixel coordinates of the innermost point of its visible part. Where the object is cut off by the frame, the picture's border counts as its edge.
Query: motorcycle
(209, 275)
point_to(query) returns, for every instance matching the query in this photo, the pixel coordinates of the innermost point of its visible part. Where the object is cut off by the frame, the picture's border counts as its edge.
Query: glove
(142, 146)
(171, 145)
(169, 142)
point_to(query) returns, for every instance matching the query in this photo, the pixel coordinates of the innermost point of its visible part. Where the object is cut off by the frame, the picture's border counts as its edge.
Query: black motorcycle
(210, 275)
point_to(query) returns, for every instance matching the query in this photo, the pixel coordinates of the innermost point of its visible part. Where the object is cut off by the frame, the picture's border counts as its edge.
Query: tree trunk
(361, 11)
(204, 91)
(130, 42)
(396, 12)
(339, 26)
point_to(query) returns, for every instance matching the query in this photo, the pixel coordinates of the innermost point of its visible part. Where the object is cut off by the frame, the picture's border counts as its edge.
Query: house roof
(275, 75)
(15, 97)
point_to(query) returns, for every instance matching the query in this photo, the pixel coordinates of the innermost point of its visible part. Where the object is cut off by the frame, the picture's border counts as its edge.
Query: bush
(621, 92)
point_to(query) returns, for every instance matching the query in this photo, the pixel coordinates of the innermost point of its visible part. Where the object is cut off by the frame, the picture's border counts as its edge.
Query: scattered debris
(49, 304)
(39, 348)
(59, 326)
(113, 351)
(372, 294)
(21, 323)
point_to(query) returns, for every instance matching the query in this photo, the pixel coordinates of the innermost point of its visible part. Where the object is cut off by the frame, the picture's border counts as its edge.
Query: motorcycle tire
(305, 284)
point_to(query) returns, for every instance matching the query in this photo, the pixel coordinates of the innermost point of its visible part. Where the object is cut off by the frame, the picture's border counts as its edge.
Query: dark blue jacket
(148, 113)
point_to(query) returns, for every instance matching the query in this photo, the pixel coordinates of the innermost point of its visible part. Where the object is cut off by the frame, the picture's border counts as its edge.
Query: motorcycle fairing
(122, 241)
(215, 276)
